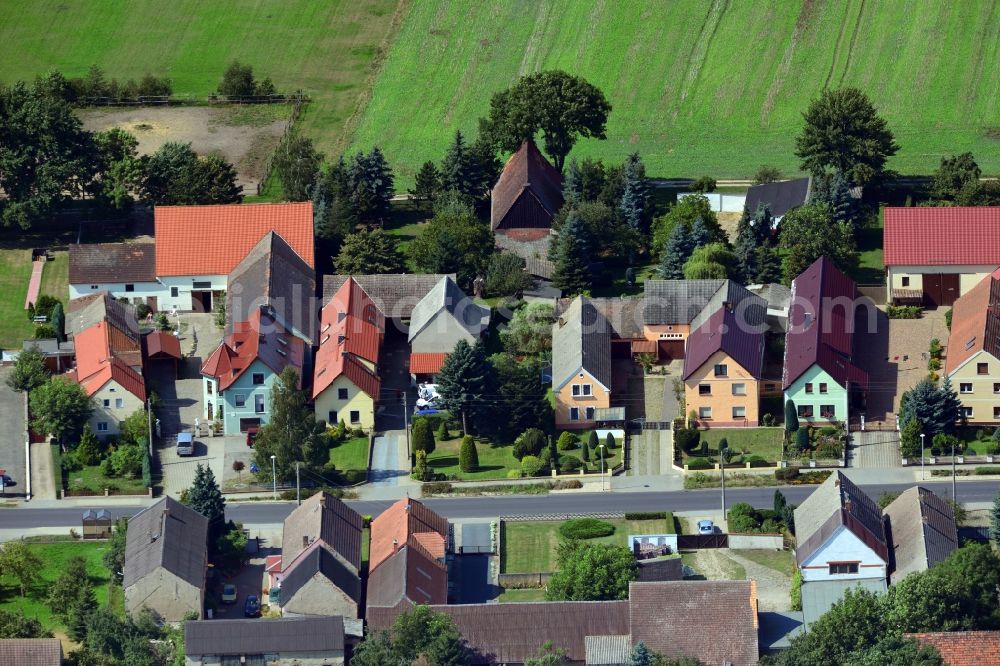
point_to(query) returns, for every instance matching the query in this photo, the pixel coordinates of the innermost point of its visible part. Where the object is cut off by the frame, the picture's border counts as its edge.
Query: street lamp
(274, 481)
(601, 447)
(922, 435)
(954, 496)
(723, 457)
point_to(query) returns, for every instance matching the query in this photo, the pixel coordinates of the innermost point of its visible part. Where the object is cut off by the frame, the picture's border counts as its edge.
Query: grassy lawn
(782, 561)
(91, 480)
(327, 49)
(350, 454)
(54, 558)
(531, 546)
(870, 268)
(683, 109)
(522, 595)
(405, 223)
(15, 271)
(496, 461)
(764, 442)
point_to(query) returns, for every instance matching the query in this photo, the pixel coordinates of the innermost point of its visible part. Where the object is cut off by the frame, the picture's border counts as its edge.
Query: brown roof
(31, 651)
(394, 294)
(409, 576)
(393, 527)
(527, 173)
(838, 502)
(923, 531)
(964, 648)
(161, 344)
(975, 323)
(712, 621)
(498, 633)
(112, 262)
(326, 518)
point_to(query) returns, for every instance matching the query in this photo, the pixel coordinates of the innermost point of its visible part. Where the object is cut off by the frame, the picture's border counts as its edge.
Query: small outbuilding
(97, 524)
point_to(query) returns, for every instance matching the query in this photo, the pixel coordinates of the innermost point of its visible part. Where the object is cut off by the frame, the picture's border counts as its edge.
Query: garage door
(941, 289)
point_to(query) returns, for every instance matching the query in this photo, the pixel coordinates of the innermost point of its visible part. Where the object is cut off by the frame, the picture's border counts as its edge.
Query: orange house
(581, 365)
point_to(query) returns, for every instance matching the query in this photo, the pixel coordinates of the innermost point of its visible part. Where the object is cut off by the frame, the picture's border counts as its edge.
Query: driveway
(12, 436)
(390, 464)
(394, 372)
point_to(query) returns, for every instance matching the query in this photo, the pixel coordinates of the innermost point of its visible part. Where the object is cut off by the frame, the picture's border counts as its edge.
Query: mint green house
(819, 373)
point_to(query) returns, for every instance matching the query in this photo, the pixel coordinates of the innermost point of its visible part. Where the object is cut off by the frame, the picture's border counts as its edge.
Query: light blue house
(820, 376)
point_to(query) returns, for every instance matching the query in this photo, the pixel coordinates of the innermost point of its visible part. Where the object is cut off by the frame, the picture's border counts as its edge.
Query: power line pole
(298, 494)
(722, 469)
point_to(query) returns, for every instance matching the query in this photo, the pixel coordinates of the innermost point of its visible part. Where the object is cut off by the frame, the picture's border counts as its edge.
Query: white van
(185, 444)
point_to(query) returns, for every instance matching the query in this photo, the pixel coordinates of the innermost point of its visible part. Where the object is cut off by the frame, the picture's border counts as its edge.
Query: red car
(251, 435)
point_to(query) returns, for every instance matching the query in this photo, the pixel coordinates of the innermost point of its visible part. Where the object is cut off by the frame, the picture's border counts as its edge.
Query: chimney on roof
(395, 545)
(305, 540)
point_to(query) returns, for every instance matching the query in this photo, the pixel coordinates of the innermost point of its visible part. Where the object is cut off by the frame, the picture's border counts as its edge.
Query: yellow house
(724, 361)
(581, 365)
(345, 382)
(973, 354)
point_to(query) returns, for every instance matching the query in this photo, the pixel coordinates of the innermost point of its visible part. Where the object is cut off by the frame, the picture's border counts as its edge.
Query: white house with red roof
(933, 255)
(345, 382)
(116, 389)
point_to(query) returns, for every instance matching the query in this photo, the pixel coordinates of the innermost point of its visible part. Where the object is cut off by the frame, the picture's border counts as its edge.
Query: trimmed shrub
(905, 312)
(585, 452)
(593, 441)
(768, 420)
(437, 488)
(646, 515)
(423, 439)
(586, 528)
(569, 464)
(442, 432)
(513, 474)
(786, 473)
(687, 439)
(529, 443)
(743, 518)
(756, 461)
(609, 441)
(468, 457)
(984, 471)
(571, 484)
(802, 439)
(567, 441)
(699, 463)
(531, 465)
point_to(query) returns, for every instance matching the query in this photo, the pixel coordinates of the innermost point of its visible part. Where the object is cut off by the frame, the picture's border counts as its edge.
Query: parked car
(229, 593)
(252, 606)
(706, 527)
(252, 435)
(185, 444)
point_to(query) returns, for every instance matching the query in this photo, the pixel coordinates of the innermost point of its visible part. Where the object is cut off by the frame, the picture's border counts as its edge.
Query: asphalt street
(270, 513)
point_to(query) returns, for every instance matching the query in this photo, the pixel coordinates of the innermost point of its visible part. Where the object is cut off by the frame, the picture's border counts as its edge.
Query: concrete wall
(357, 400)
(182, 301)
(112, 415)
(722, 400)
(165, 594)
(836, 395)
(843, 546)
(721, 203)
(565, 400)
(320, 596)
(330, 658)
(753, 541)
(983, 400)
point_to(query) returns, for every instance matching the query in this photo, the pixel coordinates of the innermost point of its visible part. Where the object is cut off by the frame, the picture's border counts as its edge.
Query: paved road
(12, 435)
(261, 513)
(874, 448)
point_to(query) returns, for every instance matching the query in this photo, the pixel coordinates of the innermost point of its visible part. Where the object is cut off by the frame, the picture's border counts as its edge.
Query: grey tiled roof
(923, 531)
(31, 651)
(245, 637)
(447, 296)
(677, 301)
(169, 535)
(395, 294)
(624, 314)
(91, 309)
(581, 339)
(323, 517)
(320, 560)
(838, 502)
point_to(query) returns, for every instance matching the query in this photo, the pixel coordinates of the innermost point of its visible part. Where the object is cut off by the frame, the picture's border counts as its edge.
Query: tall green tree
(418, 636)
(635, 193)
(710, 262)
(333, 213)
(468, 457)
(675, 253)
(60, 407)
(292, 434)
(529, 331)
(808, 233)
(573, 185)
(468, 169)
(548, 655)
(561, 106)
(570, 254)
(58, 322)
(454, 241)
(46, 157)
(522, 396)
(423, 438)
(296, 163)
(936, 409)
(834, 191)
(175, 175)
(205, 497)
(372, 185)
(426, 185)
(29, 371)
(591, 572)
(14, 624)
(687, 211)
(745, 250)
(505, 275)
(791, 416)
(369, 251)
(953, 175)
(995, 521)
(114, 556)
(844, 132)
(17, 559)
(465, 385)
(122, 170)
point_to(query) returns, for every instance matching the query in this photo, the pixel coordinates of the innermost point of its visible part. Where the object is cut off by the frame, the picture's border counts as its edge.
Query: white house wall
(141, 290)
(969, 275)
(182, 301)
(112, 415)
(843, 546)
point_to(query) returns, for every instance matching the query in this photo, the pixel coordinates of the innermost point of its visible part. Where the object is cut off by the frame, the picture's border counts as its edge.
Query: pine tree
(950, 409)
(635, 193)
(995, 521)
(779, 502)
(835, 191)
(372, 185)
(676, 253)
(593, 442)
(553, 453)
(745, 250)
(585, 451)
(464, 386)
(468, 456)
(423, 438)
(570, 252)
(700, 234)
(80, 611)
(762, 223)
(609, 441)
(573, 185)
(768, 265)
(206, 498)
(791, 416)
(642, 656)
(59, 322)
(426, 185)
(802, 438)
(462, 169)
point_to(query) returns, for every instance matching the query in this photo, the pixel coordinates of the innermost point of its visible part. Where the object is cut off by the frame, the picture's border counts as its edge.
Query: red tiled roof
(393, 527)
(964, 648)
(942, 236)
(260, 338)
(96, 365)
(975, 324)
(163, 345)
(351, 331)
(212, 240)
(426, 363)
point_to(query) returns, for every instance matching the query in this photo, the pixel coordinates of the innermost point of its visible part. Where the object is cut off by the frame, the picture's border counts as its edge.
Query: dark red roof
(942, 236)
(99, 263)
(260, 338)
(724, 332)
(821, 325)
(527, 173)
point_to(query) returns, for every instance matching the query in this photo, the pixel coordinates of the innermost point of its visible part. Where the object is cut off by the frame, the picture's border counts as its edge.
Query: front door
(201, 301)
(949, 288)
(211, 412)
(932, 289)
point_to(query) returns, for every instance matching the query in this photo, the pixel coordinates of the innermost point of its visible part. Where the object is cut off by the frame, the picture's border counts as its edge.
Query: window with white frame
(739, 389)
(965, 387)
(102, 426)
(239, 399)
(119, 403)
(967, 412)
(704, 412)
(258, 403)
(739, 412)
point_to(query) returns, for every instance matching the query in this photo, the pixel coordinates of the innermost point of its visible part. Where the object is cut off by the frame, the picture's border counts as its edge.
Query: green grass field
(765, 442)
(698, 87)
(530, 547)
(351, 454)
(54, 558)
(327, 49)
(15, 270)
